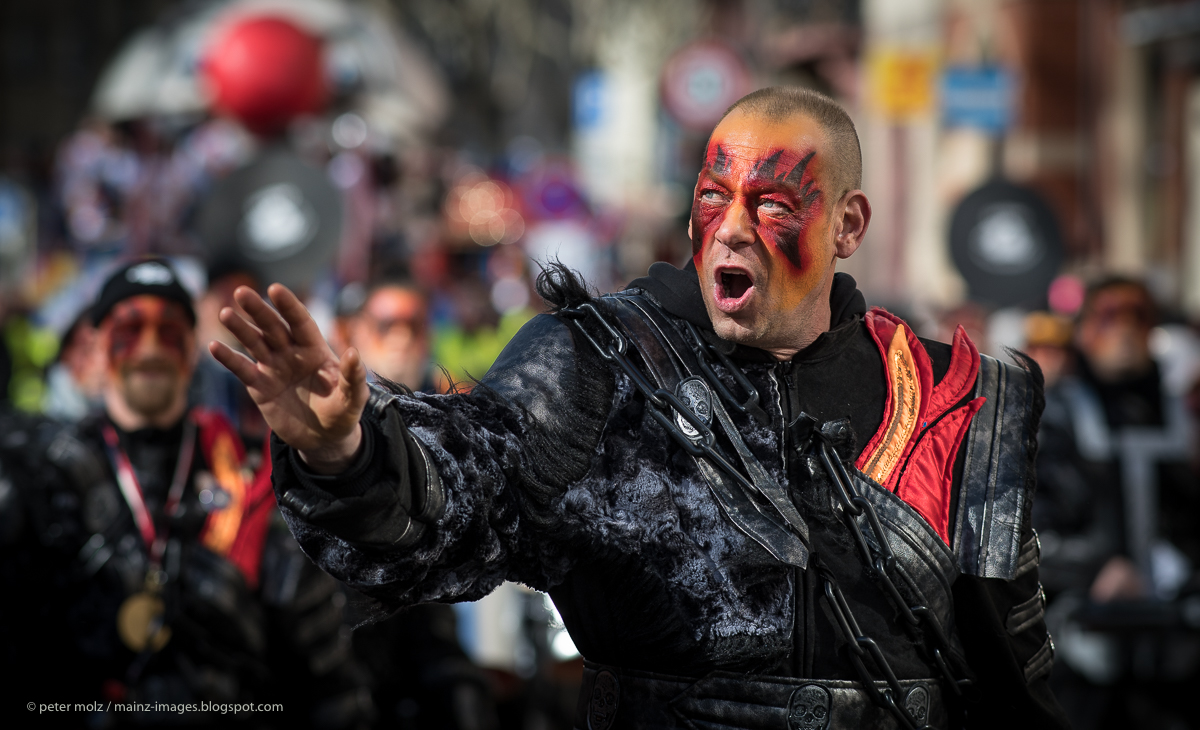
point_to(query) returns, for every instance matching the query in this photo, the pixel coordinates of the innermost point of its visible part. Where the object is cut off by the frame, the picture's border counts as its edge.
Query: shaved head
(779, 103)
(776, 204)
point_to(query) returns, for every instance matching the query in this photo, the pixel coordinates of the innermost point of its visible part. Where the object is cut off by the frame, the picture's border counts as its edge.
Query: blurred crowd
(134, 472)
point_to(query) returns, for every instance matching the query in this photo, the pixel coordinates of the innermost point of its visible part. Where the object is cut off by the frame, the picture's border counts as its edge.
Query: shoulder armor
(913, 453)
(564, 389)
(998, 473)
(537, 370)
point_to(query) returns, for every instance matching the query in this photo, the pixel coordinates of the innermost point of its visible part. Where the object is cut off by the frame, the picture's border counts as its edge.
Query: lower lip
(729, 305)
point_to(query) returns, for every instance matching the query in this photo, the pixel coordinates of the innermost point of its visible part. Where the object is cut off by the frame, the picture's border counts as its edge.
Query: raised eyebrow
(766, 187)
(711, 175)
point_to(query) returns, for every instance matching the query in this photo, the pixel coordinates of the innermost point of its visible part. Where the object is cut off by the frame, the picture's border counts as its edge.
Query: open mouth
(733, 288)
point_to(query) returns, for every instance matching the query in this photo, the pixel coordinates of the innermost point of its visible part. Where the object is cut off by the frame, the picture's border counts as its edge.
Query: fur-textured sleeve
(453, 494)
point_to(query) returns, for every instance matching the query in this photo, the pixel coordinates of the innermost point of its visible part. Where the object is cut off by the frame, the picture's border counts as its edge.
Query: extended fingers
(274, 329)
(250, 336)
(353, 382)
(303, 328)
(354, 375)
(237, 363)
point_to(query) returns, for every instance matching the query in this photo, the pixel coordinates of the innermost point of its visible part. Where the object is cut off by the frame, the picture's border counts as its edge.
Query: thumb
(353, 380)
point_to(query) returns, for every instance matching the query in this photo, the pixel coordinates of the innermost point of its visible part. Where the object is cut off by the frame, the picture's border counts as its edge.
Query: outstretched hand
(309, 397)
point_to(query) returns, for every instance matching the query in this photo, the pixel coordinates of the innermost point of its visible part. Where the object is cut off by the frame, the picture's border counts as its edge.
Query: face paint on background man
(147, 327)
(149, 347)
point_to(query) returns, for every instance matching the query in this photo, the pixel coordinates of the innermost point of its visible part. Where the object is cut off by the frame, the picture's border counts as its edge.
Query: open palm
(309, 397)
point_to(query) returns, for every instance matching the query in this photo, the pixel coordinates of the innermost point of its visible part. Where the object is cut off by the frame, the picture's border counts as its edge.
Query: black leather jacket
(551, 472)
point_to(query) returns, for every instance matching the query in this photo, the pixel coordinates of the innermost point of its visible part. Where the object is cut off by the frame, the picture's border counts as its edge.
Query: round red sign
(701, 81)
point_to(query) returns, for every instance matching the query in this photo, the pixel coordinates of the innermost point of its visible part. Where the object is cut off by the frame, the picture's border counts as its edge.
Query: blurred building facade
(1102, 114)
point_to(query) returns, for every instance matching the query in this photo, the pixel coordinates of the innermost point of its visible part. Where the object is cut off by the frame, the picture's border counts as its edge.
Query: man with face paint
(149, 560)
(755, 503)
(771, 217)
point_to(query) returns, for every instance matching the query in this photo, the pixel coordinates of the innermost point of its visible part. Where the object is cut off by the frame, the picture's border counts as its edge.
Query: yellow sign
(902, 81)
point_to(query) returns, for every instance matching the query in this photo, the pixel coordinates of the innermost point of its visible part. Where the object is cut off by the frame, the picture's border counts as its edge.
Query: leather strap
(767, 487)
(776, 525)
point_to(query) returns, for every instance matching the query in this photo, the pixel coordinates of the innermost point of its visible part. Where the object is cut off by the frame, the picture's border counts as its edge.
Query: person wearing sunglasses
(1117, 512)
(387, 321)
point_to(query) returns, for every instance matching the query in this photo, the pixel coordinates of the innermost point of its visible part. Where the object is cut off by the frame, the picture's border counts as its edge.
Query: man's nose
(736, 228)
(149, 341)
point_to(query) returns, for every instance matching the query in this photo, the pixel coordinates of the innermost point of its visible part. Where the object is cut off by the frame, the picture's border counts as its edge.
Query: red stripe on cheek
(705, 222)
(790, 236)
(785, 239)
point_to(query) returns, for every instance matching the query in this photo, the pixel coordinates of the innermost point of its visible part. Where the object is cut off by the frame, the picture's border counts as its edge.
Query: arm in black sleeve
(384, 499)
(1003, 630)
(450, 495)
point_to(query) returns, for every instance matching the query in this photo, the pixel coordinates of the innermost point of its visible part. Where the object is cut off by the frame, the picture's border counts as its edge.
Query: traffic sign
(701, 81)
(983, 98)
(1005, 241)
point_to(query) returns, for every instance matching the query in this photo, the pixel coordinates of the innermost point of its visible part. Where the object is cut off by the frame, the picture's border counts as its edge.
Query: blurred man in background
(1117, 511)
(388, 323)
(153, 562)
(1048, 342)
(423, 677)
(75, 381)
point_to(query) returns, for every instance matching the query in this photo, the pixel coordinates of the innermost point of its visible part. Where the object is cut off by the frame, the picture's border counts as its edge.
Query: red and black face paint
(147, 327)
(781, 206)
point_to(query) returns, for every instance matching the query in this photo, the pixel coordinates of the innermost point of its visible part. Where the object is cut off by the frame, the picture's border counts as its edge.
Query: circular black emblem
(1005, 240)
(278, 217)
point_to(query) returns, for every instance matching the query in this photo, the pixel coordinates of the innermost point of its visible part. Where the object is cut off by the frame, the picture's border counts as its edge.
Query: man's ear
(694, 191)
(849, 231)
(103, 344)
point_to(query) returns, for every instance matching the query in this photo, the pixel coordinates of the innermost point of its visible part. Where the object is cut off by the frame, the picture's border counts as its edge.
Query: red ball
(265, 71)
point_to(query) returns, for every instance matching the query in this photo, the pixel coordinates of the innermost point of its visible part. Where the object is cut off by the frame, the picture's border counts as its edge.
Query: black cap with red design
(155, 277)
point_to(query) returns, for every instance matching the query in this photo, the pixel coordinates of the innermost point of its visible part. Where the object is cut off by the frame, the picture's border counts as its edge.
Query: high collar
(678, 292)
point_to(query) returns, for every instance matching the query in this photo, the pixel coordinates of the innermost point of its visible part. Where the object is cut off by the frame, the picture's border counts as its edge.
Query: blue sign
(983, 98)
(590, 97)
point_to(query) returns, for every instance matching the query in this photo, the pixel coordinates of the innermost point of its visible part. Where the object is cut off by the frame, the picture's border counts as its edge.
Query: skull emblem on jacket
(809, 708)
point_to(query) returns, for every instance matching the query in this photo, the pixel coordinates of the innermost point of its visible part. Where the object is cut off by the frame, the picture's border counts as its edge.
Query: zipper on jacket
(801, 659)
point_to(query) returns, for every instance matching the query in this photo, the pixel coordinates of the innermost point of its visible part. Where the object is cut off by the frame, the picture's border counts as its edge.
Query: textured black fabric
(565, 393)
(677, 290)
